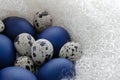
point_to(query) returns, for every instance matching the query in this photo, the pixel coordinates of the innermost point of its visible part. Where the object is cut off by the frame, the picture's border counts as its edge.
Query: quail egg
(23, 43)
(71, 51)
(25, 62)
(41, 51)
(42, 20)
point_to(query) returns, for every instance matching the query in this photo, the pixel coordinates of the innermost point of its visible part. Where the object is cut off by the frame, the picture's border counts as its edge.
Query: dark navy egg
(16, 25)
(57, 69)
(7, 54)
(58, 36)
(16, 73)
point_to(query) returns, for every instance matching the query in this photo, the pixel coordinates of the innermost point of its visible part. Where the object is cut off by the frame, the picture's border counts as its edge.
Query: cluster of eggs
(44, 50)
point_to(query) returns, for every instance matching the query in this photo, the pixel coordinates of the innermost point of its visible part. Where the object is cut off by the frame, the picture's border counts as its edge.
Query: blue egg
(16, 73)
(58, 36)
(7, 54)
(16, 25)
(56, 69)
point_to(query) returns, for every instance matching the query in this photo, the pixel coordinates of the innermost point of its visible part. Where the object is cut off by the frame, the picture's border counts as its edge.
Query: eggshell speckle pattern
(42, 50)
(42, 20)
(25, 62)
(2, 27)
(71, 51)
(23, 43)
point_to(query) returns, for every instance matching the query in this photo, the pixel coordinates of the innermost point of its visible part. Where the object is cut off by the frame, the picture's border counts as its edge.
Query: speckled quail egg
(71, 51)
(41, 51)
(2, 27)
(23, 43)
(42, 20)
(25, 62)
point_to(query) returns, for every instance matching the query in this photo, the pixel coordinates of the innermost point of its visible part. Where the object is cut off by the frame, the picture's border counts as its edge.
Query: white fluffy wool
(95, 24)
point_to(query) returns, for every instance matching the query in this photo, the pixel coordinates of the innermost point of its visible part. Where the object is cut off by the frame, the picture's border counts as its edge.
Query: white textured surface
(95, 24)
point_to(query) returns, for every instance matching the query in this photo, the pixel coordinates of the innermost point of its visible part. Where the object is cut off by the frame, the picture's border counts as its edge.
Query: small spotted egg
(41, 51)
(71, 51)
(25, 62)
(2, 27)
(42, 20)
(23, 43)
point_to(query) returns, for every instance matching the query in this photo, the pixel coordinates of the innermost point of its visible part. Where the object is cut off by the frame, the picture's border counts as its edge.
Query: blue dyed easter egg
(56, 69)
(16, 25)
(7, 55)
(58, 36)
(16, 73)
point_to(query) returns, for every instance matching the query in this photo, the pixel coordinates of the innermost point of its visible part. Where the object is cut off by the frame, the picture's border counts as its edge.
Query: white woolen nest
(95, 24)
